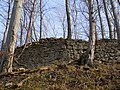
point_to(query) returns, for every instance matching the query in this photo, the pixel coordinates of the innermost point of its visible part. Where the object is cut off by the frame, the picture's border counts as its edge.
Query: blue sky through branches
(54, 10)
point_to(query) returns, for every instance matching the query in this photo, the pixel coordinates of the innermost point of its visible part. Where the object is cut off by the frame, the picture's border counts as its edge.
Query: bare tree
(63, 26)
(68, 19)
(100, 18)
(41, 19)
(34, 31)
(12, 36)
(74, 14)
(116, 20)
(108, 18)
(91, 48)
(23, 22)
(7, 25)
(29, 32)
(88, 55)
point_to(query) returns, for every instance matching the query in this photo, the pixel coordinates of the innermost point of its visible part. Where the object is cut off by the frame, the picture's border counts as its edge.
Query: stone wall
(108, 50)
(48, 50)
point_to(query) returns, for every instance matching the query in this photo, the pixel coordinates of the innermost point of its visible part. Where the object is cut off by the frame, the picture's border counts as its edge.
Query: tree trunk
(87, 56)
(29, 32)
(12, 36)
(116, 20)
(96, 33)
(34, 31)
(21, 33)
(22, 26)
(7, 26)
(63, 26)
(41, 19)
(75, 17)
(100, 18)
(91, 47)
(108, 19)
(68, 19)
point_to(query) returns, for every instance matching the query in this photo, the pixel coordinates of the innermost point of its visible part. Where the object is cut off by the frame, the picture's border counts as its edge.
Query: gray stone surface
(48, 50)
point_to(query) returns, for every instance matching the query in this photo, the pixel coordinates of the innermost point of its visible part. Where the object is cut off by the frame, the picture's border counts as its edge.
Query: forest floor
(59, 76)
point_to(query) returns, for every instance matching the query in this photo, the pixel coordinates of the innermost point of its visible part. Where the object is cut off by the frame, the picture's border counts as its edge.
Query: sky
(50, 3)
(55, 9)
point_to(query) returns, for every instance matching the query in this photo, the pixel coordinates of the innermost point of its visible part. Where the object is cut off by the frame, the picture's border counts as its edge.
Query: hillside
(59, 74)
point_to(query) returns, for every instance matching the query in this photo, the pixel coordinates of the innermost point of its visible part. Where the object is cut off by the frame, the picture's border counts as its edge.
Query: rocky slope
(49, 50)
(46, 67)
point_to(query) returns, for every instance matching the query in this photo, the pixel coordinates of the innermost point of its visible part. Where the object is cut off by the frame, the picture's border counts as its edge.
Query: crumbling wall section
(49, 50)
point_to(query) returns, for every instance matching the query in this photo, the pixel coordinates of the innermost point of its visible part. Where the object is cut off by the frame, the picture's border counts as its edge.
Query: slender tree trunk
(96, 33)
(29, 32)
(62, 20)
(91, 47)
(22, 27)
(12, 36)
(34, 31)
(108, 19)
(88, 55)
(63, 26)
(100, 18)
(7, 25)
(68, 19)
(116, 20)
(41, 19)
(74, 17)
(21, 33)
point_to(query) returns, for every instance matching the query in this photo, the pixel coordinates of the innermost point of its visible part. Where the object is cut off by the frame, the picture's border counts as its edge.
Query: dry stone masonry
(49, 50)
